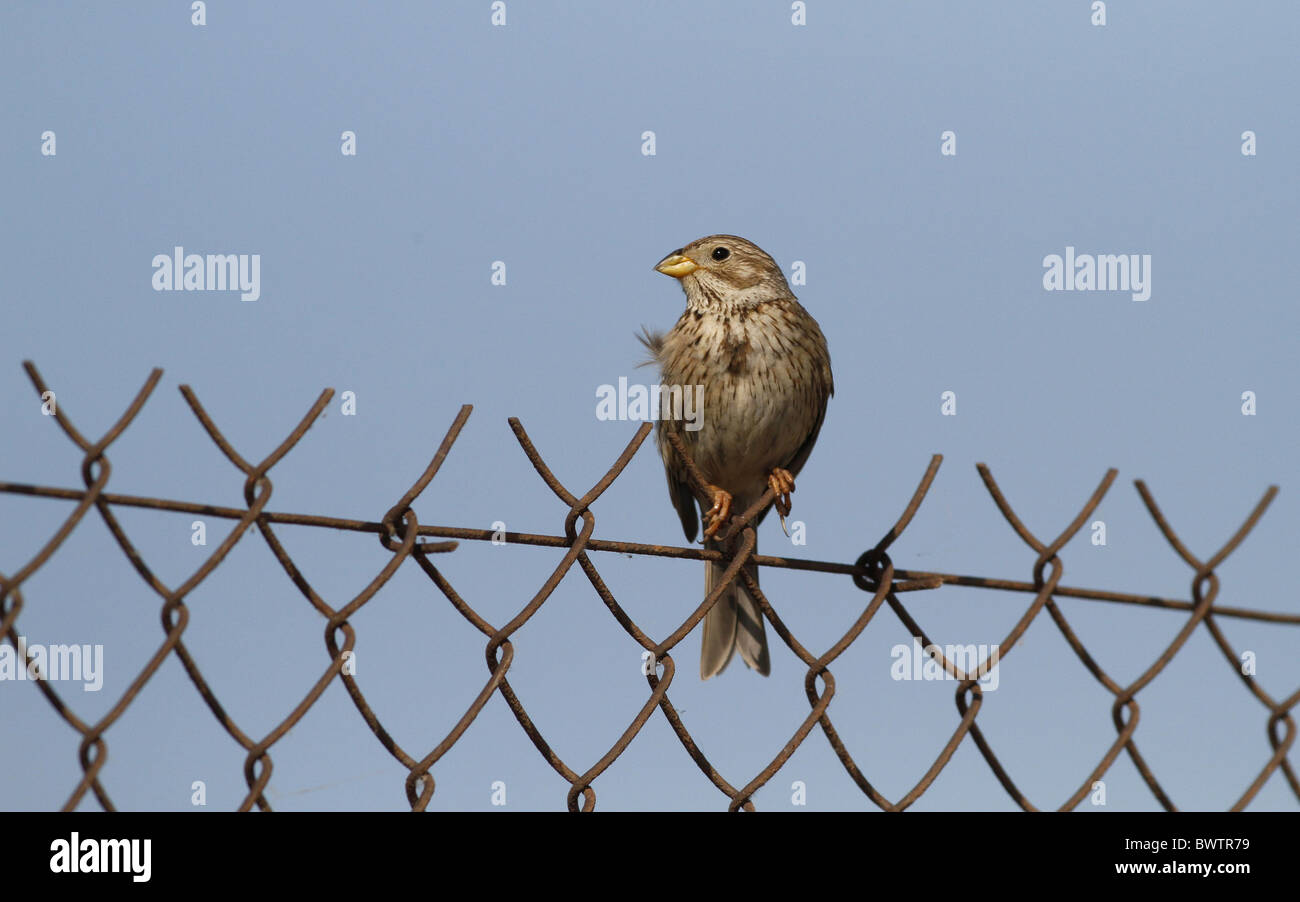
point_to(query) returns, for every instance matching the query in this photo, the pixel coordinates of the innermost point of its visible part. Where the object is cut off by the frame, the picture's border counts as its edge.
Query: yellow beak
(677, 266)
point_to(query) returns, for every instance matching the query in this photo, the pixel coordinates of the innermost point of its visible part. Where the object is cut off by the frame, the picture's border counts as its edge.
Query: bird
(764, 369)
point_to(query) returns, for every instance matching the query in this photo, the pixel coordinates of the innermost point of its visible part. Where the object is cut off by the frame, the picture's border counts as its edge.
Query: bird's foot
(720, 513)
(782, 484)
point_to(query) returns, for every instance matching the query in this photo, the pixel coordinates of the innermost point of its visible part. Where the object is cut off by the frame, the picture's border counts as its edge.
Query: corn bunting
(766, 376)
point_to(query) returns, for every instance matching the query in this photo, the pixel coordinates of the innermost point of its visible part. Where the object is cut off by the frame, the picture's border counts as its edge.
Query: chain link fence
(410, 541)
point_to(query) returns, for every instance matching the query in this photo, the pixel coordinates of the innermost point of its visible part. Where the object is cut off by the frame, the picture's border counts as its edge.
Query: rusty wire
(400, 533)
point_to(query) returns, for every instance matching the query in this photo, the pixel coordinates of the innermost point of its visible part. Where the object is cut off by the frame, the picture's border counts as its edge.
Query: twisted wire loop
(405, 538)
(1047, 555)
(1203, 579)
(257, 491)
(95, 470)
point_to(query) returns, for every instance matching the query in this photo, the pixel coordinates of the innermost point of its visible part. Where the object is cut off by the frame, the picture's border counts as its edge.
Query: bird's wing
(800, 457)
(684, 500)
(825, 387)
(678, 490)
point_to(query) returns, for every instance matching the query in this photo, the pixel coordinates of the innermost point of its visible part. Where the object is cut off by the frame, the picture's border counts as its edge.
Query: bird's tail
(735, 622)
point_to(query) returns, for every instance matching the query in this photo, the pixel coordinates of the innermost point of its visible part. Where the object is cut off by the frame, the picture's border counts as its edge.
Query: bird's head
(724, 272)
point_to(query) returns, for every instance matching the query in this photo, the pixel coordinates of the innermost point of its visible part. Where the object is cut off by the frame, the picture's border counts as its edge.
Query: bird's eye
(721, 253)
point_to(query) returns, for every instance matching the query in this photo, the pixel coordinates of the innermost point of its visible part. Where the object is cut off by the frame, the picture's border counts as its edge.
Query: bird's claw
(719, 514)
(782, 484)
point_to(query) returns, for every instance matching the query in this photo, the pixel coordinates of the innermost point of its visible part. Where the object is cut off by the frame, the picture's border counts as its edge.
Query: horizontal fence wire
(401, 534)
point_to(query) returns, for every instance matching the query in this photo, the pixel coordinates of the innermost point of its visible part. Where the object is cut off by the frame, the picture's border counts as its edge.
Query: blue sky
(523, 144)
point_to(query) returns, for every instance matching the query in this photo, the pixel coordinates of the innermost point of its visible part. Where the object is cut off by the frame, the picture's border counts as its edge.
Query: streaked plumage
(766, 372)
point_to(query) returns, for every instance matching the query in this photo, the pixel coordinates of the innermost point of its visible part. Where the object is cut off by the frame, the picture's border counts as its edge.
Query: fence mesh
(408, 540)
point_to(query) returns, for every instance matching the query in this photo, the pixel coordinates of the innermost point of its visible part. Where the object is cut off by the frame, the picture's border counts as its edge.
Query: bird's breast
(758, 384)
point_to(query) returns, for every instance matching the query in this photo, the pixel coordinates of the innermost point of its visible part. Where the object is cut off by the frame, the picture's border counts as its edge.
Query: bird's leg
(782, 484)
(720, 513)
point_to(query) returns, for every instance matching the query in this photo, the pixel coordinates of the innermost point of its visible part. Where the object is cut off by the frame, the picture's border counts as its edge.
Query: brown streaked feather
(684, 501)
(764, 368)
